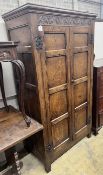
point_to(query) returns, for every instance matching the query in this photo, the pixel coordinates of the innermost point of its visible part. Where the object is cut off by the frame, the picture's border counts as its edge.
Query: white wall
(9, 87)
(98, 40)
(3, 33)
(7, 5)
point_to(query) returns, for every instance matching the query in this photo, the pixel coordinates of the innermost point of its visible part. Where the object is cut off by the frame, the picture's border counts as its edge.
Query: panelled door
(66, 66)
(80, 80)
(56, 75)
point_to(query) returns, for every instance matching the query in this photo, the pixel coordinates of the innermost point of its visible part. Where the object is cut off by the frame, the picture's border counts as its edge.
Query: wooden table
(13, 130)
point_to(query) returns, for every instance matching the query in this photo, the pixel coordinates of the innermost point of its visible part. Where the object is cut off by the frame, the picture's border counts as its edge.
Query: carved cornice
(63, 20)
(40, 9)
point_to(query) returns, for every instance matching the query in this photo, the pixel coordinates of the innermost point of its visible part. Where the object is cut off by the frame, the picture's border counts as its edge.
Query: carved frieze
(5, 55)
(63, 20)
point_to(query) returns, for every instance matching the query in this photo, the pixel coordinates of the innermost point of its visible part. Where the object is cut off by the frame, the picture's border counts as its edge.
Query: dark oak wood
(56, 47)
(97, 96)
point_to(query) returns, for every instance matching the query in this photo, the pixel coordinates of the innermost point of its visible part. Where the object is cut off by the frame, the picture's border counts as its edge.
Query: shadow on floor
(85, 158)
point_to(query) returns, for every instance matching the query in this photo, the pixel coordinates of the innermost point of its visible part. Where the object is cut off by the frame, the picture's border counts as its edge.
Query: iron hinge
(39, 42)
(48, 147)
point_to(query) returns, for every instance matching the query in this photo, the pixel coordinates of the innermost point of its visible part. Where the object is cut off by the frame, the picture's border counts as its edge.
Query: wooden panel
(62, 117)
(20, 20)
(100, 105)
(32, 107)
(80, 51)
(30, 74)
(100, 86)
(80, 93)
(56, 74)
(18, 32)
(101, 90)
(100, 117)
(56, 71)
(60, 132)
(55, 53)
(80, 119)
(97, 108)
(58, 88)
(80, 39)
(54, 41)
(80, 80)
(80, 65)
(58, 104)
(18, 35)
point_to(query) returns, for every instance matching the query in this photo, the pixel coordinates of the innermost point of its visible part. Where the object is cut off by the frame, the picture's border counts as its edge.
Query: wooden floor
(86, 158)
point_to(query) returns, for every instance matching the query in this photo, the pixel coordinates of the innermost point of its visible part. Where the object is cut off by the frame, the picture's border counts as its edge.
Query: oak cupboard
(56, 47)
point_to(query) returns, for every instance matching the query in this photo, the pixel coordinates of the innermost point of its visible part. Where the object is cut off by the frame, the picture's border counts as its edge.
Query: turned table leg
(12, 159)
(17, 163)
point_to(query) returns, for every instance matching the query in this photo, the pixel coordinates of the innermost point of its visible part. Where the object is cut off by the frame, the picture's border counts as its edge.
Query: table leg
(12, 159)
